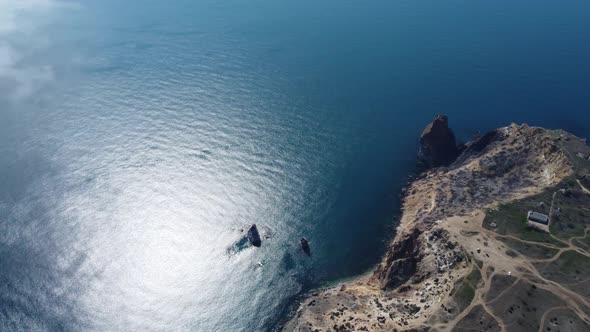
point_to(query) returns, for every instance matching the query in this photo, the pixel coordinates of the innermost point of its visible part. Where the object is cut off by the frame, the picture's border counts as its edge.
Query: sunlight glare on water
(140, 139)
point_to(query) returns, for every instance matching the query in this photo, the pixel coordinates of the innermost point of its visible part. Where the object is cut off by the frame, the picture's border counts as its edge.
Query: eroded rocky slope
(434, 275)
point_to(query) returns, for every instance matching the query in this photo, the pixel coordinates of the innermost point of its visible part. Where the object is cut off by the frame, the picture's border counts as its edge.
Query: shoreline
(291, 311)
(414, 285)
(294, 304)
(298, 300)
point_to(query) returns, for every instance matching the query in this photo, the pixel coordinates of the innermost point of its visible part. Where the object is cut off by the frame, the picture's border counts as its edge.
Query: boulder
(305, 246)
(254, 236)
(438, 146)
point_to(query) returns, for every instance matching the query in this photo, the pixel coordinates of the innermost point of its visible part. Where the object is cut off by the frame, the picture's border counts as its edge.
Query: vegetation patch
(534, 251)
(464, 295)
(523, 306)
(477, 320)
(511, 219)
(564, 320)
(571, 214)
(583, 243)
(570, 268)
(464, 291)
(474, 278)
(582, 288)
(500, 282)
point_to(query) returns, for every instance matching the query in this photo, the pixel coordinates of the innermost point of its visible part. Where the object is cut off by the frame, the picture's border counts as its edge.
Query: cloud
(22, 39)
(10, 10)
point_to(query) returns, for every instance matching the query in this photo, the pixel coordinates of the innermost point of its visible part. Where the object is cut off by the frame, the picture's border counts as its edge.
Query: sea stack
(254, 236)
(305, 246)
(438, 146)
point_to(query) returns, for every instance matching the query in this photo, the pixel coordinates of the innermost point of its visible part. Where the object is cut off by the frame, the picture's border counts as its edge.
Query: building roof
(538, 217)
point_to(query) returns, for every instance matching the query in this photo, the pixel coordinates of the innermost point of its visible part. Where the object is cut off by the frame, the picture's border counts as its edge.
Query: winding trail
(544, 317)
(583, 188)
(528, 273)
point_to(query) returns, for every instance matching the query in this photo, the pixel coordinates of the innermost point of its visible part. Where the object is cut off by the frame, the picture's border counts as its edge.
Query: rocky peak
(438, 146)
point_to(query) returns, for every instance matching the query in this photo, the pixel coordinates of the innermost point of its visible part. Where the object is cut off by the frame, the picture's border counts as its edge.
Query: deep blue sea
(138, 138)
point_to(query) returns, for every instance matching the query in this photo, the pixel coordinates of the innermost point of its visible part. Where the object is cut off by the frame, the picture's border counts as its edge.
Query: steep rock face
(401, 261)
(500, 165)
(478, 146)
(438, 146)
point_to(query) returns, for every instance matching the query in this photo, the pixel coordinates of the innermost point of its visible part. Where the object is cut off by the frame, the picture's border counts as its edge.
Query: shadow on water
(238, 246)
(287, 262)
(266, 233)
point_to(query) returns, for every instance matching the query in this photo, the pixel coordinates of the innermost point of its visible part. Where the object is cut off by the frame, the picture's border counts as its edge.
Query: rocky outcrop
(305, 246)
(254, 236)
(400, 261)
(438, 146)
(427, 257)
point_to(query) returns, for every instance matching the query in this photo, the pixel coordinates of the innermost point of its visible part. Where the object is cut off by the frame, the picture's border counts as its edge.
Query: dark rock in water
(438, 146)
(254, 236)
(305, 246)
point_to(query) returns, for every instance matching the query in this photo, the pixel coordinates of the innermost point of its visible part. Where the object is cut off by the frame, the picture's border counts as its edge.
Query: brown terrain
(463, 258)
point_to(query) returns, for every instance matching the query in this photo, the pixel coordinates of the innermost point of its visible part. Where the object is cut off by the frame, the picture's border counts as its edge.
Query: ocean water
(138, 139)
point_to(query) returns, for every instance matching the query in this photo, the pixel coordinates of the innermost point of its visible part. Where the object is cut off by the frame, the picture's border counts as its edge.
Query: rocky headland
(438, 146)
(463, 258)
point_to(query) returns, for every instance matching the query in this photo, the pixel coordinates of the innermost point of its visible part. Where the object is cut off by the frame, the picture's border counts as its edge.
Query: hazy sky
(22, 42)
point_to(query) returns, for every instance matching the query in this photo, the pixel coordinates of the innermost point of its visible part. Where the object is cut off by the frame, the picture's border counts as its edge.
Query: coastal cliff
(452, 260)
(438, 146)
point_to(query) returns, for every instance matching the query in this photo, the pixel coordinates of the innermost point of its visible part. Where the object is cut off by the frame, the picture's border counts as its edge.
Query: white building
(538, 220)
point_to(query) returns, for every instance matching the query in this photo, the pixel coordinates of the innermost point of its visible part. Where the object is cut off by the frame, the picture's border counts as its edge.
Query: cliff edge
(465, 257)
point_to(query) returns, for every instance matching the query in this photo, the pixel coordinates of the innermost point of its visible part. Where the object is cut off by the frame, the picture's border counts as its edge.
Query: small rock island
(464, 257)
(305, 246)
(253, 236)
